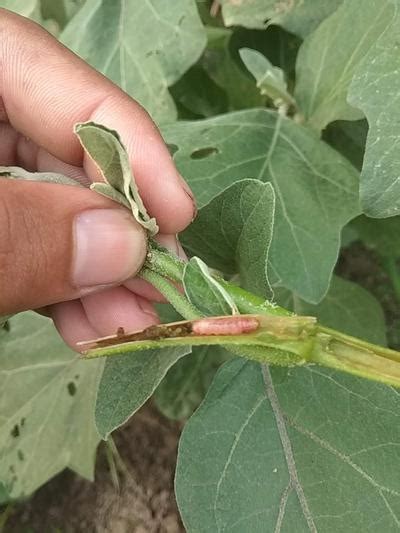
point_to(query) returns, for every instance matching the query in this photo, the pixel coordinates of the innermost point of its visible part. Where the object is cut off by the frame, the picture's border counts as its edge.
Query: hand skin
(67, 249)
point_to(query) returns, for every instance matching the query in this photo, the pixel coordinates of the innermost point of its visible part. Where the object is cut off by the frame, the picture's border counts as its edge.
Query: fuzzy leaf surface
(108, 153)
(316, 188)
(205, 292)
(128, 381)
(297, 16)
(304, 450)
(270, 79)
(232, 233)
(374, 90)
(325, 71)
(45, 177)
(143, 46)
(46, 407)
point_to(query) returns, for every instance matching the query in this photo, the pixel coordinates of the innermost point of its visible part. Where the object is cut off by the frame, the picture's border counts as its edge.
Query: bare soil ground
(144, 502)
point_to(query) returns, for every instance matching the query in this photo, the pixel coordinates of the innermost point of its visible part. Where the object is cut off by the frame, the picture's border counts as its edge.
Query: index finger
(45, 89)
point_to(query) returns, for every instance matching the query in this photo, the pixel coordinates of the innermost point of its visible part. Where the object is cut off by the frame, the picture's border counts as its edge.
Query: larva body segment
(234, 325)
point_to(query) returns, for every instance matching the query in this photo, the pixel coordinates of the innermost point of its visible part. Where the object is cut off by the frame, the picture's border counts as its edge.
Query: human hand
(67, 248)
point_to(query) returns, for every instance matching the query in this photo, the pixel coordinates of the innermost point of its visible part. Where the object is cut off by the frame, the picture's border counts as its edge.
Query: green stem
(162, 262)
(323, 346)
(355, 356)
(171, 293)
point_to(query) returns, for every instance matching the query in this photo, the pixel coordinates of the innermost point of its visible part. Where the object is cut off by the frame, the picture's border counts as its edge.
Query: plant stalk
(320, 345)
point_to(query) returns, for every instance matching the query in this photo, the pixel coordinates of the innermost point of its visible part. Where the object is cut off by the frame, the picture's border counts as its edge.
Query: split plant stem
(328, 348)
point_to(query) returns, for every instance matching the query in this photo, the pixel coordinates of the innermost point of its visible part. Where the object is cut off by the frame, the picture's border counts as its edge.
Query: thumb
(59, 242)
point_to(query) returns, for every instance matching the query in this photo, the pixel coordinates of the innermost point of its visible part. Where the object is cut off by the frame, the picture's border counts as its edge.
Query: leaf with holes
(143, 46)
(297, 16)
(316, 189)
(46, 407)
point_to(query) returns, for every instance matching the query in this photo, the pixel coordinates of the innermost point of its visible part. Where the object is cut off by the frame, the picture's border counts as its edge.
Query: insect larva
(235, 325)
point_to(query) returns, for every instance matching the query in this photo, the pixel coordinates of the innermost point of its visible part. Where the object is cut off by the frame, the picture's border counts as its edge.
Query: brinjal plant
(283, 118)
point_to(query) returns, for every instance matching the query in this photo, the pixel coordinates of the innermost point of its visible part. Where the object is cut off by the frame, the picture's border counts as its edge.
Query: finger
(59, 242)
(72, 324)
(118, 308)
(143, 288)
(17, 150)
(46, 89)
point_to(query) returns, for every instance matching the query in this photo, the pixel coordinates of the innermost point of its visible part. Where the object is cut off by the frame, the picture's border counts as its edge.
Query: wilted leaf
(127, 382)
(374, 90)
(46, 407)
(108, 153)
(298, 16)
(325, 71)
(186, 383)
(233, 233)
(47, 177)
(205, 292)
(316, 189)
(142, 46)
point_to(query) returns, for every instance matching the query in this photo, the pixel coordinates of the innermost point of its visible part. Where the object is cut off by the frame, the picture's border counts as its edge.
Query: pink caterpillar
(233, 325)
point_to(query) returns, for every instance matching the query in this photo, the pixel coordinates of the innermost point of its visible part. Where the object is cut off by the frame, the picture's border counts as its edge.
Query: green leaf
(144, 47)
(316, 189)
(324, 72)
(46, 177)
(197, 93)
(381, 235)
(27, 8)
(347, 307)
(233, 233)
(127, 382)
(205, 292)
(374, 90)
(107, 151)
(225, 70)
(186, 383)
(297, 16)
(60, 10)
(304, 450)
(270, 80)
(46, 407)
(348, 138)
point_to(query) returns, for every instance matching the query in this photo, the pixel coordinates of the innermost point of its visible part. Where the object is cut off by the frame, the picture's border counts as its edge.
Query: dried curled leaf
(46, 177)
(108, 153)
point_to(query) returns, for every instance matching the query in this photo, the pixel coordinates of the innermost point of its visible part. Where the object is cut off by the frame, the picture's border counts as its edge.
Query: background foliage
(299, 95)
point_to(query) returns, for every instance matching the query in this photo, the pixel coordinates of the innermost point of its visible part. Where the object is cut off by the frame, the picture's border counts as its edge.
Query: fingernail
(172, 243)
(110, 247)
(189, 192)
